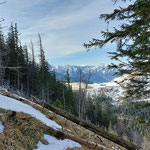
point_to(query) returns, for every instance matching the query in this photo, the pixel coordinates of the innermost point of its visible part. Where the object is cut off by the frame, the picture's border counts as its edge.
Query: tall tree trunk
(28, 88)
(18, 80)
(64, 100)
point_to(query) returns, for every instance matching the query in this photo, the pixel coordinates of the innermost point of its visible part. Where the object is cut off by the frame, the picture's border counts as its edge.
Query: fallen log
(61, 135)
(89, 126)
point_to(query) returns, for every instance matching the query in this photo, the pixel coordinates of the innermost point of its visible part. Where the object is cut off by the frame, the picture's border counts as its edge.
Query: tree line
(20, 72)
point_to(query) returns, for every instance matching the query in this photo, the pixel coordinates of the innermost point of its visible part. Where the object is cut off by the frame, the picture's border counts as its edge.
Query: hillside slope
(27, 125)
(112, 89)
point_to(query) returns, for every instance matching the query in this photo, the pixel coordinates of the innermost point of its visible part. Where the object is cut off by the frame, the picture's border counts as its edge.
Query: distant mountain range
(112, 89)
(99, 73)
(102, 81)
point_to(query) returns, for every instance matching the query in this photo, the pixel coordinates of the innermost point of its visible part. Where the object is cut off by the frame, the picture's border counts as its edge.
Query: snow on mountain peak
(99, 73)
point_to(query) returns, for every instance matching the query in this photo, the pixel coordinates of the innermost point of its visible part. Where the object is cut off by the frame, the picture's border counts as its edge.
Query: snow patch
(111, 89)
(55, 144)
(1, 127)
(15, 105)
(115, 148)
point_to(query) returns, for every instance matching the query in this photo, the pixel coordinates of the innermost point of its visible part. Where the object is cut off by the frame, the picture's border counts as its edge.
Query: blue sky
(93, 57)
(64, 26)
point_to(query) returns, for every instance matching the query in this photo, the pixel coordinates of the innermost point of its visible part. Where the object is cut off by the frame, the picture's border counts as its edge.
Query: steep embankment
(28, 125)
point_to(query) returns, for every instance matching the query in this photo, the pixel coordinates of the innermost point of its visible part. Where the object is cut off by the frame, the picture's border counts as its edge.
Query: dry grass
(22, 132)
(146, 144)
(77, 130)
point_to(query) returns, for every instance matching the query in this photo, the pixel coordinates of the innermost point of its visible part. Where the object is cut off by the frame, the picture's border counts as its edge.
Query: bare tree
(84, 80)
(33, 55)
(80, 73)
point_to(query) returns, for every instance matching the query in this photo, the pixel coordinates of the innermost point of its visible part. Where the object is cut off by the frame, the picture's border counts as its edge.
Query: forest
(22, 74)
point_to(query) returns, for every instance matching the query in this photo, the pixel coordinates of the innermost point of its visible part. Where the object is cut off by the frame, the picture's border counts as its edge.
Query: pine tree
(27, 76)
(26, 70)
(43, 68)
(33, 71)
(12, 42)
(67, 78)
(133, 42)
(99, 117)
(3, 57)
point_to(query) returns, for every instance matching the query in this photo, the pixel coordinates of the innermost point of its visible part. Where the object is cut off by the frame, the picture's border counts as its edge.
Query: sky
(64, 26)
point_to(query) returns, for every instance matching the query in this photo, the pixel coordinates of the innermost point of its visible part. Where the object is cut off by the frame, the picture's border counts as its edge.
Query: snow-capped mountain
(111, 89)
(99, 73)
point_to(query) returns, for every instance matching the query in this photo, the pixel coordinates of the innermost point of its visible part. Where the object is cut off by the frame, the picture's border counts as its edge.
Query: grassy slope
(82, 133)
(22, 132)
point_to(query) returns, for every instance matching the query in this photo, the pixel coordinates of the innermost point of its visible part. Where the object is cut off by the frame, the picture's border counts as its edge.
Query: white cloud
(63, 27)
(58, 30)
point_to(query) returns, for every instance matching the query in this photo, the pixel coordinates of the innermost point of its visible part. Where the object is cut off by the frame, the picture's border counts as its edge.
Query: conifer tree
(28, 77)
(33, 70)
(3, 57)
(26, 70)
(69, 95)
(133, 43)
(42, 67)
(12, 42)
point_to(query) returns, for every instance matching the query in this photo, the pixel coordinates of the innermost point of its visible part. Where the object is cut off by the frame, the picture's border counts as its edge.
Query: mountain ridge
(99, 73)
